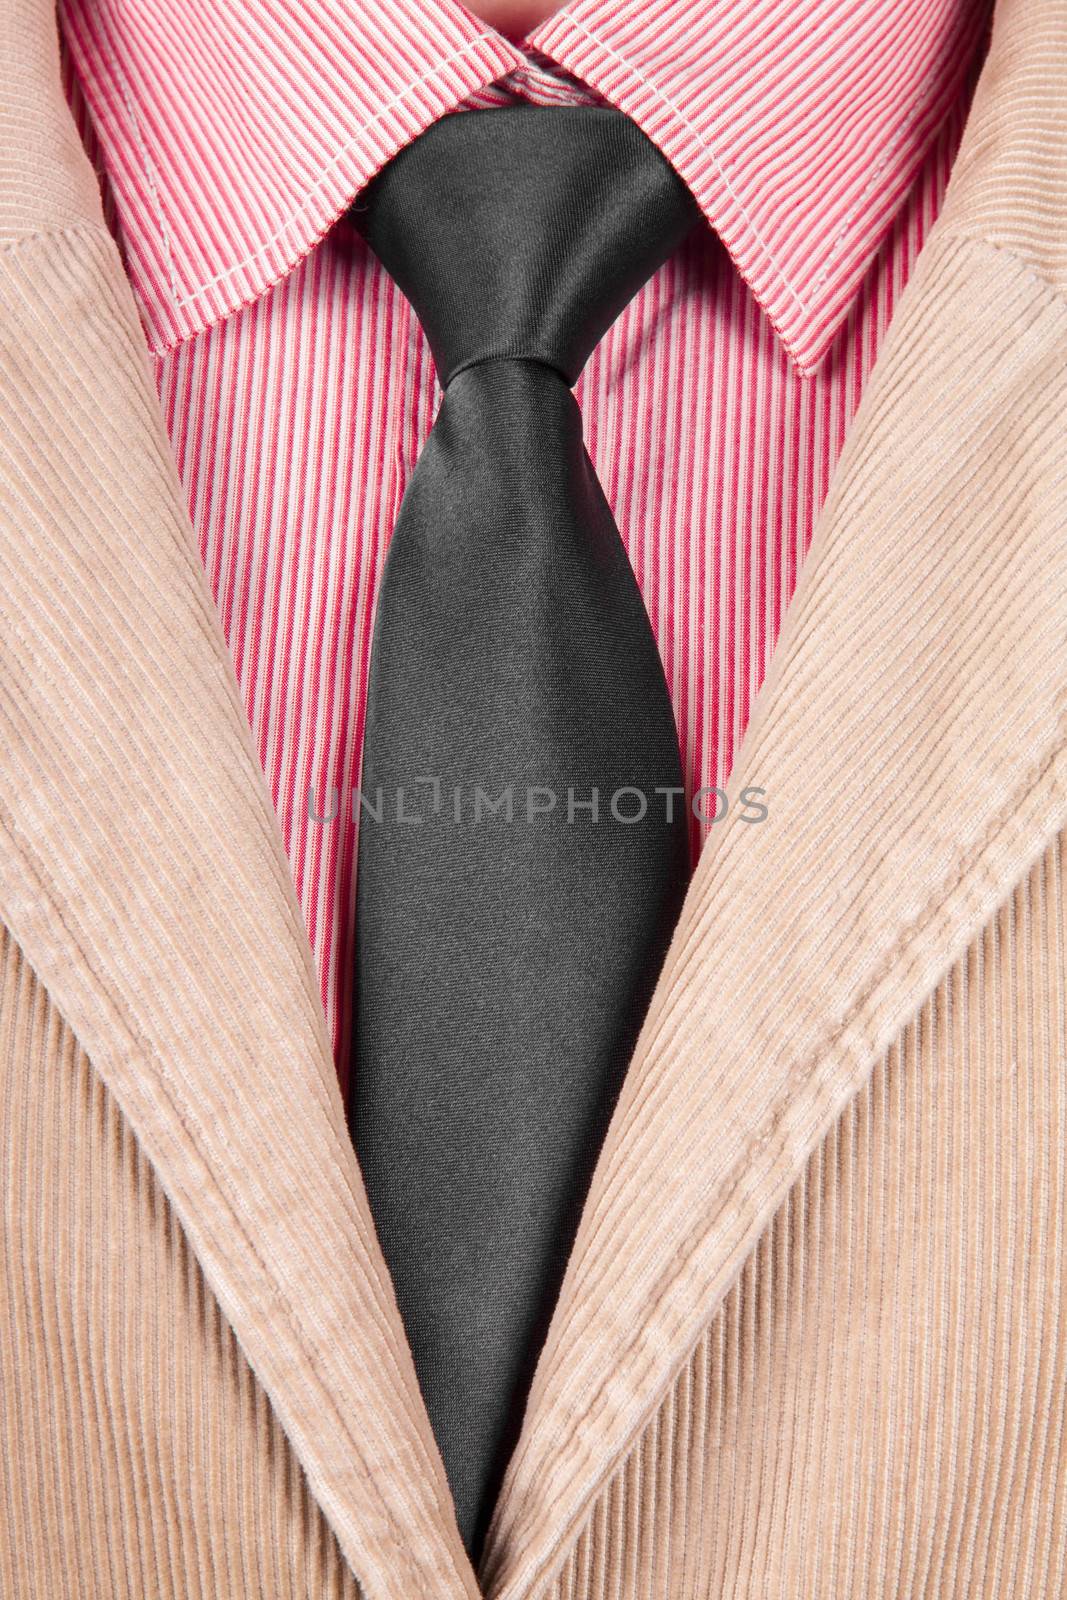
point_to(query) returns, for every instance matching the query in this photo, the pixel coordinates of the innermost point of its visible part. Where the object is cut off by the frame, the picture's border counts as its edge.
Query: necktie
(523, 843)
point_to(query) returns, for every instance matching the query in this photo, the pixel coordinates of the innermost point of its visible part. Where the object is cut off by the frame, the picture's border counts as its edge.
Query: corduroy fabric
(140, 1457)
(811, 1337)
(913, 788)
(878, 1408)
(173, 847)
(45, 180)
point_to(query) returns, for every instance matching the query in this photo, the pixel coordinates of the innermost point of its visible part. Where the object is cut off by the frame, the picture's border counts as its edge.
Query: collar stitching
(655, 89)
(892, 146)
(183, 301)
(804, 305)
(150, 178)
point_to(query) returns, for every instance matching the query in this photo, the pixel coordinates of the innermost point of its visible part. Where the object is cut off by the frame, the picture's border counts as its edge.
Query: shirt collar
(234, 135)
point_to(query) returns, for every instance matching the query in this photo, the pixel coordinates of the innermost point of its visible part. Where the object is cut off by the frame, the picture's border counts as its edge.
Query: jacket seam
(799, 1080)
(1054, 291)
(87, 229)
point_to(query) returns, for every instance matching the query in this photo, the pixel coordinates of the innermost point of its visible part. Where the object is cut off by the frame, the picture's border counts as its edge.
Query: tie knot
(523, 232)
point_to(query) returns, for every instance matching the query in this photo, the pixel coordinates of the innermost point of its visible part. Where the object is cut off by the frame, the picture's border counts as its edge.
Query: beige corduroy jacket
(812, 1343)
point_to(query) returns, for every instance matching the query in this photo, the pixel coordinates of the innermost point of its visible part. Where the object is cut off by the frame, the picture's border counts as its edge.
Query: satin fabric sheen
(505, 957)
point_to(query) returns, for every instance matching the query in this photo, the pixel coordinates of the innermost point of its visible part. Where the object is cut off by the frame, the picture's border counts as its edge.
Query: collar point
(279, 195)
(806, 334)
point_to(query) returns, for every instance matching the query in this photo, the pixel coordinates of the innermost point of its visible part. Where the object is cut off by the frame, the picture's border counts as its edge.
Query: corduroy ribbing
(866, 1000)
(912, 788)
(138, 1454)
(220, 1062)
(46, 180)
(1010, 185)
(878, 1407)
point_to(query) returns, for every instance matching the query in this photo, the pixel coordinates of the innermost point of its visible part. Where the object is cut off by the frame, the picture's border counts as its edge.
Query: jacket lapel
(911, 742)
(142, 873)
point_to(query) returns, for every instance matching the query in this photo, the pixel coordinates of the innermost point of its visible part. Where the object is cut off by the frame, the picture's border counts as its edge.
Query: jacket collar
(141, 866)
(232, 143)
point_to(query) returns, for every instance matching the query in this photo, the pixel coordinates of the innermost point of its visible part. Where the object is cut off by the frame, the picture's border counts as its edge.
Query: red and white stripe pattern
(799, 127)
(298, 389)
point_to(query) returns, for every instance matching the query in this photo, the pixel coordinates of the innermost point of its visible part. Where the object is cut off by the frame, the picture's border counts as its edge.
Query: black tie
(508, 940)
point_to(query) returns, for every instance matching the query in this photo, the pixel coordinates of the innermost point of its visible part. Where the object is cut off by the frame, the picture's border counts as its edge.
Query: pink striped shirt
(231, 135)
